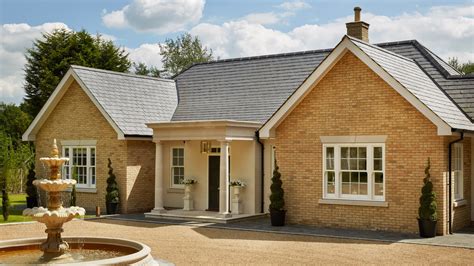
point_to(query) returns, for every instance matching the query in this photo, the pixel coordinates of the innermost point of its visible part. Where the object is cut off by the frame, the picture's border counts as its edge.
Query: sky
(231, 28)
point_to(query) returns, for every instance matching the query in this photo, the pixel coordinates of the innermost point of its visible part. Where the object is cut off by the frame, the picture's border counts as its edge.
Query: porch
(213, 153)
(202, 216)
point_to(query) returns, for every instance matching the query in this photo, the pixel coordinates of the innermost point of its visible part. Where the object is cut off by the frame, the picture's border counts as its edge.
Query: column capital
(157, 141)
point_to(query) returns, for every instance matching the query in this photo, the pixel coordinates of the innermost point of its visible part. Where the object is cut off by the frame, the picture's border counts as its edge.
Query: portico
(213, 153)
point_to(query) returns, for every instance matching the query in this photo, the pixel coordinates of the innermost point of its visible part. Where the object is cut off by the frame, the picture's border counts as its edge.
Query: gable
(405, 77)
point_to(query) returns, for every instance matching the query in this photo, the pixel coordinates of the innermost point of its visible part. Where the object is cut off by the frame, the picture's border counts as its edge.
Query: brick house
(351, 129)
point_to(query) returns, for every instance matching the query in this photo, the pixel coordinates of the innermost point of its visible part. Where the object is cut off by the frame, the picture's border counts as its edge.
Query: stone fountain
(55, 215)
(55, 249)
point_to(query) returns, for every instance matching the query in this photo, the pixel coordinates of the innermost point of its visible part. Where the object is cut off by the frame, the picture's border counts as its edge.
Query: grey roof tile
(131, 100)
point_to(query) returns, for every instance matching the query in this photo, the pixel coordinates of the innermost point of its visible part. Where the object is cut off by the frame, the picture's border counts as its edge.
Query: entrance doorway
(214, 172)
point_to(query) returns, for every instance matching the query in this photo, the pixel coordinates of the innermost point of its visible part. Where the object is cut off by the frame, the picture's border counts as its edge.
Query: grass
(17, 205)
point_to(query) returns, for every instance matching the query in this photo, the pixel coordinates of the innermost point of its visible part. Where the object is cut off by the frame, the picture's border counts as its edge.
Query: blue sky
(230, 28)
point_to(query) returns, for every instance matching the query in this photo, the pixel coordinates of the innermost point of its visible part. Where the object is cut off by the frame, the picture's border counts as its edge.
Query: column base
(225, 215)
(158, 210)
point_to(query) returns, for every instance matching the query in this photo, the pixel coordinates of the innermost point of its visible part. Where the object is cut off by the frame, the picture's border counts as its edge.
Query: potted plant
(428, 215)
(188, 203)
(277, 201)
(32, 198)
(73, 191)
(112, 198)
(237, 185)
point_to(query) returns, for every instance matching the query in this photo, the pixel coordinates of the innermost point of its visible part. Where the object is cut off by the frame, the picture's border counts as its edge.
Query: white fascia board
(53, 100)
(267, 131)
(120, 134)
(30, 133)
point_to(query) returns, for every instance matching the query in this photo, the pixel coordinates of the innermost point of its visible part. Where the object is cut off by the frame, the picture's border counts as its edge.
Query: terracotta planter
(427, 228)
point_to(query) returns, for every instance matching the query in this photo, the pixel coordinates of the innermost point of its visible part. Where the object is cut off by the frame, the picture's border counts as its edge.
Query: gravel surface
(184, 245)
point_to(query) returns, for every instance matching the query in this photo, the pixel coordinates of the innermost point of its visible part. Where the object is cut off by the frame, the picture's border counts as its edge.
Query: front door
(214, 166)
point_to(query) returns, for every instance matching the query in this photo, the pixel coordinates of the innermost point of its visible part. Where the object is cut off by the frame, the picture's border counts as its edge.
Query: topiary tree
(72, 201)
(112, 197)
(428, 207)
(31, 191)
(5, 204)
(277, 201)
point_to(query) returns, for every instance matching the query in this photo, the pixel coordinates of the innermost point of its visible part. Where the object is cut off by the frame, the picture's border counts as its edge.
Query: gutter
(450, 199)
(262, 164)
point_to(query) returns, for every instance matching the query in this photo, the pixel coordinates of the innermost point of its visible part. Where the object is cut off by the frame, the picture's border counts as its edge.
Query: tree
(428, 207)
(277, 200)
(50, 58)
(465, 68)
(143, 69)
(181, 53)
(13, 122)
(112, 198)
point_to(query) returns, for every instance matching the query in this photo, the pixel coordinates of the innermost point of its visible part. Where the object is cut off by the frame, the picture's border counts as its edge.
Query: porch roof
(204, 130)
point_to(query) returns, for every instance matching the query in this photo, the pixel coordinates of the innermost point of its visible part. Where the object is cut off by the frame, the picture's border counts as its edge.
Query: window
(177, 167)
(457, 167)
(354, 171)
(81, 165)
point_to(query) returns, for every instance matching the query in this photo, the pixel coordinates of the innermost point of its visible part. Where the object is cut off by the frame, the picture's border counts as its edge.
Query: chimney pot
(357, 13)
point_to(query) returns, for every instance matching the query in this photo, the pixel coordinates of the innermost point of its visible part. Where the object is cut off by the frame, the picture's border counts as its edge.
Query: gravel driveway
(182, 245)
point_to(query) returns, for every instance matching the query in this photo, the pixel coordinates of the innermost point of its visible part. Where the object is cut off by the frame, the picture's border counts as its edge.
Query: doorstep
(201, 216)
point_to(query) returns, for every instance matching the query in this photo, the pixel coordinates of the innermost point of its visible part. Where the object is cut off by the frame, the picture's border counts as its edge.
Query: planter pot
(427, 228)
(31, 202)
(277, 217)
(112, 208)
(236, 190)
(187, 189)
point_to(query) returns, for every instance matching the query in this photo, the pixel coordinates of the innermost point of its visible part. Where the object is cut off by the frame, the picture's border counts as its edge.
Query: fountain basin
(56, 185)
(90, 250)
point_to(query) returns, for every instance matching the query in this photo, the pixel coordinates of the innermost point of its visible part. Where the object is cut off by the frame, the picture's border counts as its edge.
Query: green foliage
(464, 68)
(112, 195)
(73, 191)
(13, 122)
(31, 190)
(142, 69)
(427, 210)
(51, 56)
(181, 53)
(277, 201)
(5, 204)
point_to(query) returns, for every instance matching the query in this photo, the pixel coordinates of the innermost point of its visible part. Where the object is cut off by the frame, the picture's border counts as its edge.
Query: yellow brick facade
(352, 100)
(77, 118)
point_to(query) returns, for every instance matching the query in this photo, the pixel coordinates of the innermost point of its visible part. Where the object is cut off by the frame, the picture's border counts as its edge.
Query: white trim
(354, 202)
(82, 142)
(458, 184)
(88, 186)
(353, 139)
(172, 184)
(459, 203)
(53, 100)
(346, 45)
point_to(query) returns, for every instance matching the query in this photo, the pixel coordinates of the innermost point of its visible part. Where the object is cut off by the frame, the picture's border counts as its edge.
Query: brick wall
(77, 118)
(353, 100)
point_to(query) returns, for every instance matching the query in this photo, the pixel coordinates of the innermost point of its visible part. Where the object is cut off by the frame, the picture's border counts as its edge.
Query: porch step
(201, 216)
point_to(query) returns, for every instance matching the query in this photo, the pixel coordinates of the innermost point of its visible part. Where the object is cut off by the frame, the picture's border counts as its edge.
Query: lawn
(17, 205)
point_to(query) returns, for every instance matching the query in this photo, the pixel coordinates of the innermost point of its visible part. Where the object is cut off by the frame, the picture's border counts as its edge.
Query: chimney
(358, 29)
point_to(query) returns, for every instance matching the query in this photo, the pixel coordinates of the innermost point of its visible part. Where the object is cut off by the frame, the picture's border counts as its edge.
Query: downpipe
(450, 183)
(262, 175)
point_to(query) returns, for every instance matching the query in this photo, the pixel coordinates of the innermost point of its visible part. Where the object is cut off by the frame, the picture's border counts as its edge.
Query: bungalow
(351, 129)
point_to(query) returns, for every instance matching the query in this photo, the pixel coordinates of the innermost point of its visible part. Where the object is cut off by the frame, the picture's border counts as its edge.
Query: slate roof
(131, 100)
(253, 88)
(414, 79)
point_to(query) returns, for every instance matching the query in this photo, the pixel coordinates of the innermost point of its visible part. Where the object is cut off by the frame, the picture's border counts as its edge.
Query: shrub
(31, 190)
(73, 191)
(112, 186)
(5, 204)
(427, 210)
(277, 201)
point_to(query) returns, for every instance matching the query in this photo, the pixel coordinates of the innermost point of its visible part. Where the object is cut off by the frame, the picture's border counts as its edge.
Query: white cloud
(14, 40)
(159, 16)
(446, 30)
(294, 5)
(146, 53)
(262, 18)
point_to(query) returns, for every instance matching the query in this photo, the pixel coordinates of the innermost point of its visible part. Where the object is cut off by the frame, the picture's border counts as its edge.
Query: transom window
(457, 167)
(81, 165)
(354, 171)
(177, 167)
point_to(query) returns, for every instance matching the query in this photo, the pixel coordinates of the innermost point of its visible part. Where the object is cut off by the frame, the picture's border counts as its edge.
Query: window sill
(83, 190)
(354, 202)
(175, 190)
(459, 203)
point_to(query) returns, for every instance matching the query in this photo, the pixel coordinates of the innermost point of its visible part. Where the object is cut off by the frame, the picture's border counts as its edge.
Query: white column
(158, 178)
(224, 180)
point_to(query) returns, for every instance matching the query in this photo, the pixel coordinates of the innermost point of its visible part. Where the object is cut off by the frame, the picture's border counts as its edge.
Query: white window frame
(88, 165)
(338, 173)
(172, 184)
(458, 168)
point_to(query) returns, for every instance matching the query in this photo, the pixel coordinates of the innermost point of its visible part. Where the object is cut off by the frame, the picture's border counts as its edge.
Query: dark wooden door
(214, 166)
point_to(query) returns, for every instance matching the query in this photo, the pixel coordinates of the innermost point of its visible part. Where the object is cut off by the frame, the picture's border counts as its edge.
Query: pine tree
(277, 201)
